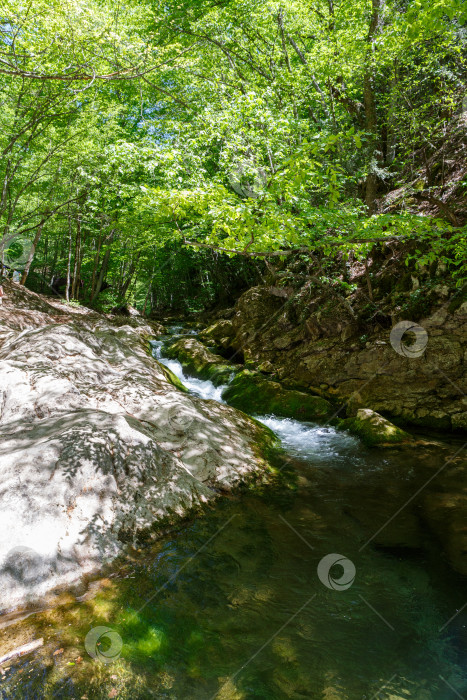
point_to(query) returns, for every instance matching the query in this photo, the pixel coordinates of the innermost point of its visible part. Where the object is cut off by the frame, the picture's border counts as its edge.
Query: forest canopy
(153, 148)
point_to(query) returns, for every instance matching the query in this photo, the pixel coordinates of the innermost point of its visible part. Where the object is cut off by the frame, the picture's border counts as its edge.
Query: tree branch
(277, 253)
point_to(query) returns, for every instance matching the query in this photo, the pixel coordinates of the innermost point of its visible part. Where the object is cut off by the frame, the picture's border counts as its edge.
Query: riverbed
(325, 584)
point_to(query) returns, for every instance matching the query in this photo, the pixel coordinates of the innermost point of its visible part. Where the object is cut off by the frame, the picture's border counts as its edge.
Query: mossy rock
(221, 333)
(172, 378)
(374, 430)
(198, 361)
(254, 394)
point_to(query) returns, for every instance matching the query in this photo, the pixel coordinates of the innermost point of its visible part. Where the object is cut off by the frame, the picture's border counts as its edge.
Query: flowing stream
(245, 602)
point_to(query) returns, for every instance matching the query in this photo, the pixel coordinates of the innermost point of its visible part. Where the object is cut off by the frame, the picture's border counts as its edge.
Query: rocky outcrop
(222, 333)
(252, 392)
(98, 448)
(197, 360)
(340, 348)
(328, 351)
(374, 430)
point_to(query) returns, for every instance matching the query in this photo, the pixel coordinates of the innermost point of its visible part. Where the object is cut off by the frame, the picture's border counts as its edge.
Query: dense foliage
(145, 145)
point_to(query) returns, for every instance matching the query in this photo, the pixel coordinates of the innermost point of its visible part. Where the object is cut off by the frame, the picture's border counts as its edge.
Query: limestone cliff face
(97, 446)
(321, 346)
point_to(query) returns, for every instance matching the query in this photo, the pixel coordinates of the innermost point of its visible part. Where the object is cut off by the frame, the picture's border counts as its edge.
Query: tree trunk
(103, 270)
(74, 285)
(44, 267)
(391, 136)
(369, 101)
(96, 262)
(53, 266)
(35, 242)
(68, 267)
(280, 23)
(125, 285)
(147, 297)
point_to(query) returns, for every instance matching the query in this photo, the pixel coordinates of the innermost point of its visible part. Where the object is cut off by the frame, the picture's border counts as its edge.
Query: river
(326, 585)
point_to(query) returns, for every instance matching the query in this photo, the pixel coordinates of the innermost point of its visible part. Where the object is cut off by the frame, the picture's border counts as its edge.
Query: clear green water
(231, 606)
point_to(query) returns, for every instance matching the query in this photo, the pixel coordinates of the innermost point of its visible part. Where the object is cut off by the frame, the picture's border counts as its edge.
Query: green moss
(172, 378)
(198, 361)
(253, 393)
(218, 373)
(375, 430)
(221, 332)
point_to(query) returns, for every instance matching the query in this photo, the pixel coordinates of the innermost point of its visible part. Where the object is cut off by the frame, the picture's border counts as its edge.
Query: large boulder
(252, 392)
(221, 333)
(98, 448)
(197, 360)
(374, 430)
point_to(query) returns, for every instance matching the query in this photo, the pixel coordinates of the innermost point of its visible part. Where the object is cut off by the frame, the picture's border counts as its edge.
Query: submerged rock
(98, 448)
(375, 430)
(252, 392)
(446, 514)
(199, 361)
